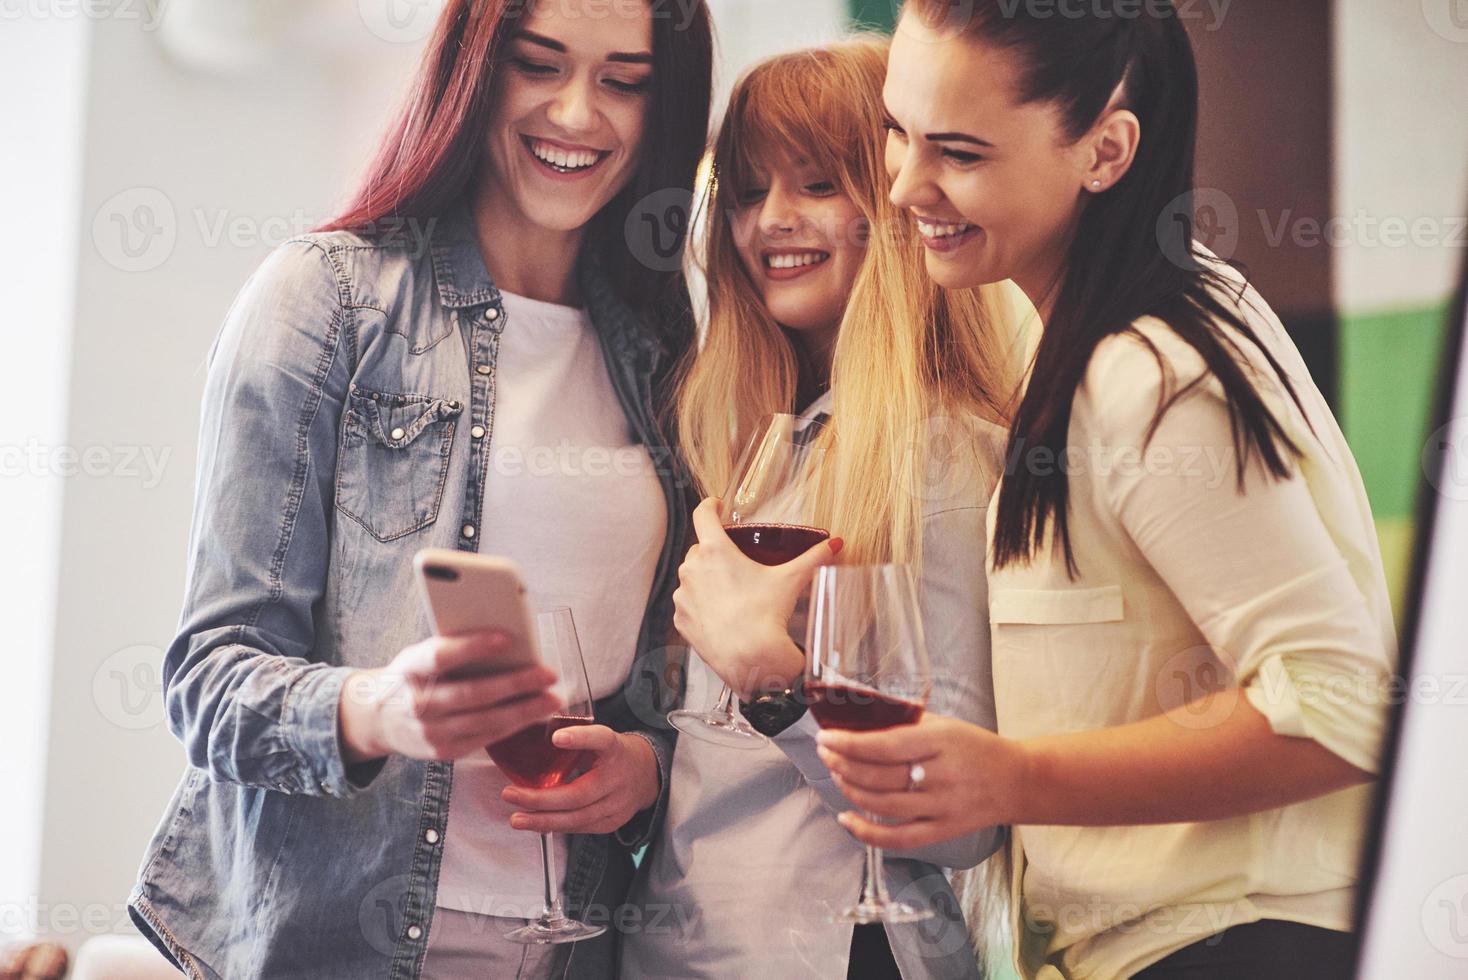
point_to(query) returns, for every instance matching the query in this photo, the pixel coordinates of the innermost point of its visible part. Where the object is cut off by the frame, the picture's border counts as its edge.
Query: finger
(866, 775)
(592, 820)
(588, 738)
(587, 790)
(441, 655)
(493, 724)
(901, 805)
(804, 566)
(452, 697)
(900, 745)
(906, 837)
(707, 523)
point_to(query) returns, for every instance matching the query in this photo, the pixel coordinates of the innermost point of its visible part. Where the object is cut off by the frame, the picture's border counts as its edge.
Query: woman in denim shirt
(357, 409)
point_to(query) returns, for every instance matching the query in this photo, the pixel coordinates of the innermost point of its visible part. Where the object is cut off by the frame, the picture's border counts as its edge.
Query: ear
(1113, 146)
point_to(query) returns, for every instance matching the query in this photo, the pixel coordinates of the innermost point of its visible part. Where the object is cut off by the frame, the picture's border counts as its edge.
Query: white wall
(1401, 145)
(40, 173)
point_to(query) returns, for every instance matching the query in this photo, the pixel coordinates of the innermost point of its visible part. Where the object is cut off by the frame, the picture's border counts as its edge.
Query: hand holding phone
(448, 696)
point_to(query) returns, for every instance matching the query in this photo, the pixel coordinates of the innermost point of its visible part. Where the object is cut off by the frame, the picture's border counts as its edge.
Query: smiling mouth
(790, 261)
(561, 160)
(938, 232)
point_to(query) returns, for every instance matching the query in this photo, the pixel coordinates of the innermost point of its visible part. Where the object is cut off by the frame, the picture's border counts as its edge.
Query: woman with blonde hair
(819, 305)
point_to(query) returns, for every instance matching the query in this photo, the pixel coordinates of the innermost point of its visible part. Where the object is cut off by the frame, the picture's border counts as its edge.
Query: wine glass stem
(725, 707)
(874, 889)
(553, 911)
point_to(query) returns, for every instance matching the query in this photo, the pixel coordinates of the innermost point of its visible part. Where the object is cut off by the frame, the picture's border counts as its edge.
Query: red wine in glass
(867, 670)
(775, 544)
(770, 509)
(859, 709)
(530, 759)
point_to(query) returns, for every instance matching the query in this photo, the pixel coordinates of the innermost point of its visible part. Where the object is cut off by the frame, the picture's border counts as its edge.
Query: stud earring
(1095, 183)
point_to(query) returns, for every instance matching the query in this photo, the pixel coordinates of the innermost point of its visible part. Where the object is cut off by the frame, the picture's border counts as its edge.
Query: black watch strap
(773, 712)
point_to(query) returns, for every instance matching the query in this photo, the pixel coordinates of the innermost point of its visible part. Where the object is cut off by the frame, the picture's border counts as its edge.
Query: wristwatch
(774, 711)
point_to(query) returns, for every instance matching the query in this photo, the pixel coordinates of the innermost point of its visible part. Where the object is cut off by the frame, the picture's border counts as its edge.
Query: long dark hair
(1123, 263)
(435, 146)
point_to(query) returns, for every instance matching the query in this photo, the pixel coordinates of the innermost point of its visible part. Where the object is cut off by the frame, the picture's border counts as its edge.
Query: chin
(955, 275)
(557, 219)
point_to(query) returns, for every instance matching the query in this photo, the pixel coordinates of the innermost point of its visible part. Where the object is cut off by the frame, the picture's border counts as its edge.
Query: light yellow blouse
(1186, 585)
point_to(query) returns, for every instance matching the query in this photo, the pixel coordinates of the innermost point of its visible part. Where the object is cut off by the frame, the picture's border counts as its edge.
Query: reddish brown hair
(435, 146)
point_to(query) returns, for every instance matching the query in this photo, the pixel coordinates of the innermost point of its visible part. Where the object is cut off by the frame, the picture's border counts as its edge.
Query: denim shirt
(346, 424)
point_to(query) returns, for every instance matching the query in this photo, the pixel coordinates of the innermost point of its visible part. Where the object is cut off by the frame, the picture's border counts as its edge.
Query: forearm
(1162, 771)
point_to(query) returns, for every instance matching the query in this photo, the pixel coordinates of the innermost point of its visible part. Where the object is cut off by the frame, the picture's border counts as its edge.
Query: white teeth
(795, 261)
(565, 160)
(941, 231)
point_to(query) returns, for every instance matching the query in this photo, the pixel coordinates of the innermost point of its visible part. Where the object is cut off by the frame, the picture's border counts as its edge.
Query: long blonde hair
(907, 351)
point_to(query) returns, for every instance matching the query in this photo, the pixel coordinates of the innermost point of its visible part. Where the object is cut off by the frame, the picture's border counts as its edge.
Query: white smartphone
(467, 593)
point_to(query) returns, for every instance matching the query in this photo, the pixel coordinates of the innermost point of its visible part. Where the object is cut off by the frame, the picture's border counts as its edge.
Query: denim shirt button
(483, 369)
(492, 314)
(431, 835)
(468, 530)
(477, 432)
(415, 932)
(399, 432)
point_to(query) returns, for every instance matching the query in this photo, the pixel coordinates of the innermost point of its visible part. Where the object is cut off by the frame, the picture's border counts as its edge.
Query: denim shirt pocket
(394, 459)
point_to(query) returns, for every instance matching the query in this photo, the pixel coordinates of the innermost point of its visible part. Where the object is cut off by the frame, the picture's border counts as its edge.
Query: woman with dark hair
(474, 356)
(1190, 626)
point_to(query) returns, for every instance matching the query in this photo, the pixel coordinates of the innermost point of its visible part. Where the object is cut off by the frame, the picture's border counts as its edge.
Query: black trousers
(1264, 950)
(871, 955)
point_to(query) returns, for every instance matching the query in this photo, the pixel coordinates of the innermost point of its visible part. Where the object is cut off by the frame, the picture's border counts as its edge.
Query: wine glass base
(548, 932)
(868, 913)
(718, 729)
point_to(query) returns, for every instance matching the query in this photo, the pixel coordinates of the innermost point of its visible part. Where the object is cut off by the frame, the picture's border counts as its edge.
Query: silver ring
(915, 775)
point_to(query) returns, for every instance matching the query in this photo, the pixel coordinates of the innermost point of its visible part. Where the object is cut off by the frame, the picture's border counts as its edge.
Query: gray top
(751, 864)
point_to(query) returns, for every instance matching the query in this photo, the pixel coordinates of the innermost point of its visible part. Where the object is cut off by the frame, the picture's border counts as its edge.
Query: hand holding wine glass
(868, 672)
(736, 611)
(531, 758)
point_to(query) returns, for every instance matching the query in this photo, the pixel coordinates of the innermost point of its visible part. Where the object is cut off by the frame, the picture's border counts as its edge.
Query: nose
(780, 214)
(912, 185)
(573, 109)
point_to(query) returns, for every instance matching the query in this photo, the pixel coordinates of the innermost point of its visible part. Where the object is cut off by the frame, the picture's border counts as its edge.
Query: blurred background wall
(148, 164)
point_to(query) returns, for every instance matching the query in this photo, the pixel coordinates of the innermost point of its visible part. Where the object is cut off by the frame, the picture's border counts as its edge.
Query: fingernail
(836, 545)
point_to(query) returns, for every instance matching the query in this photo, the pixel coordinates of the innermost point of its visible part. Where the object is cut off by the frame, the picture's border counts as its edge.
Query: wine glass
(867, 670)
(769, 513)
(529, 759)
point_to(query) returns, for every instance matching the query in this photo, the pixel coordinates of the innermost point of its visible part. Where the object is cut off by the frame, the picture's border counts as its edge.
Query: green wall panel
(873, 13)
(1389, 367)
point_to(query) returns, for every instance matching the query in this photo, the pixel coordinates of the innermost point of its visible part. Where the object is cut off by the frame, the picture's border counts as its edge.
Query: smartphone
(467, 593)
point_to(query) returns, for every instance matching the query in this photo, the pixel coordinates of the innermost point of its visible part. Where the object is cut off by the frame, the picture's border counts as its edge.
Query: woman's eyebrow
(957, 138)
(550, 43)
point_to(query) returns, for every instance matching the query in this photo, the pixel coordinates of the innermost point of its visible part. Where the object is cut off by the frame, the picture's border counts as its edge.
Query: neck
(534, 262)
(814, 353)
(1041, 286)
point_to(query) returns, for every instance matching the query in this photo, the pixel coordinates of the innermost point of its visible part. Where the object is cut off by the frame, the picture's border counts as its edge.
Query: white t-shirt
(576, 502)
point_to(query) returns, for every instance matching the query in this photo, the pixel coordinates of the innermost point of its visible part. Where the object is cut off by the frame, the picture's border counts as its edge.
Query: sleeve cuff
(1336, 710)
(638, 831)
(310, 719)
